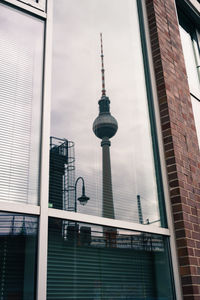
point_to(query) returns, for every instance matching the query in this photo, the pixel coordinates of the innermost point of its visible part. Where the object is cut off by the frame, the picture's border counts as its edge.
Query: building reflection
(105, 265)
(110, 238)
(62, 174)
(18, 247)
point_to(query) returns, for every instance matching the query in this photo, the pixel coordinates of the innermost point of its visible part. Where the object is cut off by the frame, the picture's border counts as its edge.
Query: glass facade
(18, 256)
(102, 159)
(101, 155)
(101, 133)
(21, 73)
(96, 262)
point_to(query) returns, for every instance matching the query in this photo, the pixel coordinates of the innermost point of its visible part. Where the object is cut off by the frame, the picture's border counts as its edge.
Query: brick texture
(180, 140)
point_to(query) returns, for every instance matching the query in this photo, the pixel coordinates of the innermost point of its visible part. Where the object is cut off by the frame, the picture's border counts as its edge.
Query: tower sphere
(105, 125)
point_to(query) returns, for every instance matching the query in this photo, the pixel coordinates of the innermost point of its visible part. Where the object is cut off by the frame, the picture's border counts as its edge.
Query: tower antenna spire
(102, 67)
(105, 127)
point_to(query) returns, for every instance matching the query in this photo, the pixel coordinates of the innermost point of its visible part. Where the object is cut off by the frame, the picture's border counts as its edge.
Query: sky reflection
(76, 89)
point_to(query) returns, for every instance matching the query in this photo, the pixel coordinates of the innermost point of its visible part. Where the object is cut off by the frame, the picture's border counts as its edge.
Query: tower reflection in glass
(105, 127)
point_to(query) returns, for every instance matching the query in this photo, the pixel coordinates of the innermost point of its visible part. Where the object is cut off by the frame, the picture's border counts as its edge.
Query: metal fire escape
(62, 174)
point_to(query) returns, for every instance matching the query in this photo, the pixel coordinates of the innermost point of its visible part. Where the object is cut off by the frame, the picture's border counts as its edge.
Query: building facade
(78, 221)
(178, 104)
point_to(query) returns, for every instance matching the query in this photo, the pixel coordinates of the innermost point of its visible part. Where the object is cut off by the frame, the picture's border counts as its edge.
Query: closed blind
(18, 247)
(20, 105)
(87, 262)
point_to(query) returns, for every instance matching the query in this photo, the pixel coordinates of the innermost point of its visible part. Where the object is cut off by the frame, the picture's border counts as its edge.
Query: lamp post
(83, 199)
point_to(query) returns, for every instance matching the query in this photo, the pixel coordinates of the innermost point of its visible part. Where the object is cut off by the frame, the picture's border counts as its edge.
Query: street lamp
(83, 199)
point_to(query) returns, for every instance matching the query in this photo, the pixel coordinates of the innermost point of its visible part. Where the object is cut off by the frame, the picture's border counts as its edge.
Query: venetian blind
(21, 55)
(88, 262)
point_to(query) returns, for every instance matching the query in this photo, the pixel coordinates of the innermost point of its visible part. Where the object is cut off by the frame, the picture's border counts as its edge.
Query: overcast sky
(76, 89)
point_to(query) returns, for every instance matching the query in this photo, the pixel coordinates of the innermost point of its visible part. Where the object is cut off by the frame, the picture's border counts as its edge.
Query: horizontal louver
(21, 57)
(93, 266)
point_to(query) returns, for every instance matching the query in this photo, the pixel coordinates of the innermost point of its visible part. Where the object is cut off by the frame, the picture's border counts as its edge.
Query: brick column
(179, 138)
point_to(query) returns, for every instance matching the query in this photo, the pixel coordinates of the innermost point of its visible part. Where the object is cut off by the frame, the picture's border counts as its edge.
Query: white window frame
(40, 4)
(43, 211)
(30, 5)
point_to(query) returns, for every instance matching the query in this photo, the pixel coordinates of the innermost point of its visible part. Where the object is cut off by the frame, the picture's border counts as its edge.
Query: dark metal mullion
(194, 97)
(150, 100)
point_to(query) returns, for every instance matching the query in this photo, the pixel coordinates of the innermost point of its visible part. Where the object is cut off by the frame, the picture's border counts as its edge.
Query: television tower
(105, 127)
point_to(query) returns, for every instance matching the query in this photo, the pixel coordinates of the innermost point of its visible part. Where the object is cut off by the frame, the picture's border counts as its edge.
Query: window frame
(38, 210)
(189, 22)
(38, 8)
(40, 4)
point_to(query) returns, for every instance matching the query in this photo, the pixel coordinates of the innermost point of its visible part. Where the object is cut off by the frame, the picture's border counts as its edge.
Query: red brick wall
(180, 140)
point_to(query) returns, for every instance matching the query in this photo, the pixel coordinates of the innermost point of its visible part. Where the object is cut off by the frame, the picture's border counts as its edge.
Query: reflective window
(196, 110)
(94, 262)
(192, 61)
(100, 127)
(21, 61)
(18, 252)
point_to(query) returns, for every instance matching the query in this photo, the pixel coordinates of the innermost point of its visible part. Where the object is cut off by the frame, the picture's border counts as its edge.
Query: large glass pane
(21, 70)
(114, 153)
(196, 111)
(94, 262)
(191, 60)
(18, 252)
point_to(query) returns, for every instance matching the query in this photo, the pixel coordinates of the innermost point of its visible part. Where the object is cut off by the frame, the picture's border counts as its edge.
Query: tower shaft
(108, 206)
